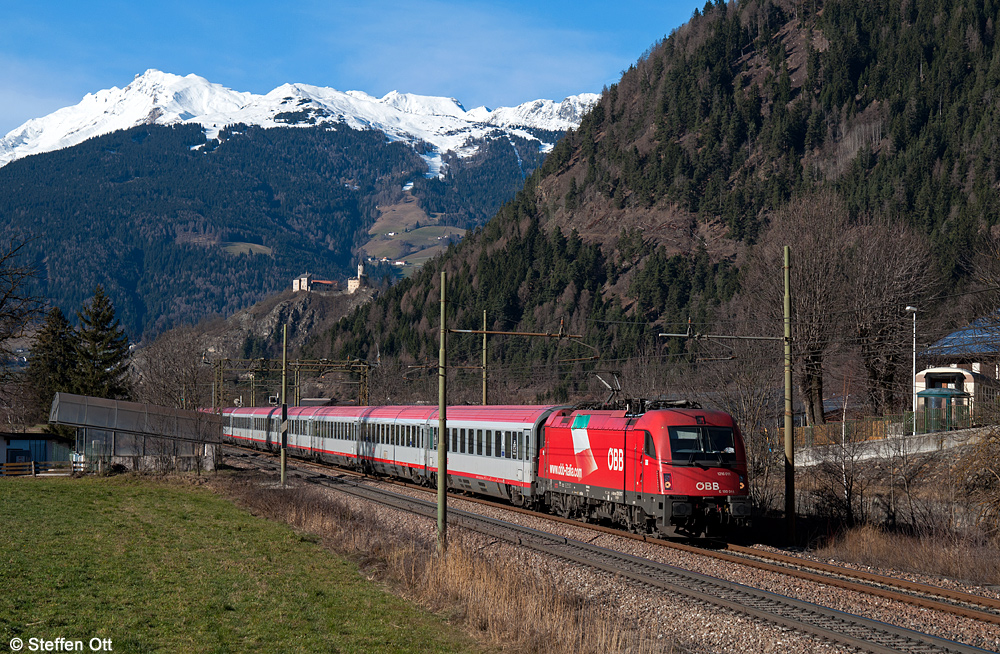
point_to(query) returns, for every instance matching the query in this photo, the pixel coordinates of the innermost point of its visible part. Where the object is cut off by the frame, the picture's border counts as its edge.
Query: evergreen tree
(102, 351)
(53, 358)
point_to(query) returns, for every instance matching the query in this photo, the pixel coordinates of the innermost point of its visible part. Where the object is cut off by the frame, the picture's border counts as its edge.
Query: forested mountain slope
(636, 220)
(177, 226)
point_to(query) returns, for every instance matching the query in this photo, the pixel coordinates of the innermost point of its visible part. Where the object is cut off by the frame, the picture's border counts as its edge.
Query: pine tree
(53, 358)
(102, 351)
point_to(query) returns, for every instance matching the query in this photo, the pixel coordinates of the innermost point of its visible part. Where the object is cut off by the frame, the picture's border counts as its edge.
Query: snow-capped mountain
(165, 99)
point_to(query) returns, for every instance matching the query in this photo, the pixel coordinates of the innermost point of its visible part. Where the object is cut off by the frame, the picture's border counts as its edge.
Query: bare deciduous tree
(18, 307)
(813, 226)
(851, 282)
(887, 270)
(172, 371)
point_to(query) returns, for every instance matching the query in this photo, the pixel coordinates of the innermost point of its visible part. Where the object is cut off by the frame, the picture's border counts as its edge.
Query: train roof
(501, 413)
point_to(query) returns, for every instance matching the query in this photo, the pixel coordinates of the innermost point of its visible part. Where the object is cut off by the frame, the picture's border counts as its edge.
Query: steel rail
(815, 620)
(935, 598)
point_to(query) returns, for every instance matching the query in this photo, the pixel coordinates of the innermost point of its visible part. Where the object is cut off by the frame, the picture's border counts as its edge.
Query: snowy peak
(424, 104)
(162, 98)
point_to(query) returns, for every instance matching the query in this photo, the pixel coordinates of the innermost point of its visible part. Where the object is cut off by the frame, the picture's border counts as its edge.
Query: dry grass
(957, 558)
(506, 604)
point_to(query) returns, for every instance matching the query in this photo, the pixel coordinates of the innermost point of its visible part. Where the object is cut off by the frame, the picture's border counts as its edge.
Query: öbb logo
(616, 459)
(707, 485)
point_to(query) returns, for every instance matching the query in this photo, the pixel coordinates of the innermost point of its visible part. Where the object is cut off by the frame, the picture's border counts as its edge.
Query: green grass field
(160, 566)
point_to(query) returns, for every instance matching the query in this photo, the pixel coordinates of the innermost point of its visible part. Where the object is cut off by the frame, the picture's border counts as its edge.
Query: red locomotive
(651, 467)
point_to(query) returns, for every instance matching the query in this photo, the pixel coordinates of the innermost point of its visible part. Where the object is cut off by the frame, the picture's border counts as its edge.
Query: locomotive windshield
(702, 444)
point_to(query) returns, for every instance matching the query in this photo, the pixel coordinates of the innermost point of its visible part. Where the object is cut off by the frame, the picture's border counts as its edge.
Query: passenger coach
(659, 469)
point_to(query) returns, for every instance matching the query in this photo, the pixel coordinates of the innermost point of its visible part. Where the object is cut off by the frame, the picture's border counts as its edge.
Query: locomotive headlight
(742, 483)
(666, 481)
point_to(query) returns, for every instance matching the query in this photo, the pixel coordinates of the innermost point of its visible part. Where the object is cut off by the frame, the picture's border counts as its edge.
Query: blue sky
(496, 53)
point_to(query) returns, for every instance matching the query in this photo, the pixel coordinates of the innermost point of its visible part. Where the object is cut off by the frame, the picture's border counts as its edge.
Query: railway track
(826, 624)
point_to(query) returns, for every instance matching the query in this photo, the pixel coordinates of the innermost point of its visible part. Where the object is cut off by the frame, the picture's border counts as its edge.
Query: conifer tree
(53, 358)
(102, 351)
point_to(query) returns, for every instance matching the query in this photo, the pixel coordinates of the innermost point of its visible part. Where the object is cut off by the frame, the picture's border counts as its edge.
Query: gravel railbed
(637, 602)
(691, 626)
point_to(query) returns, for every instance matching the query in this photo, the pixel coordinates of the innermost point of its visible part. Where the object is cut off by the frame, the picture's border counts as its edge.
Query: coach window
(479, 442)
(650, 447)
(506, 445)
(461, 441)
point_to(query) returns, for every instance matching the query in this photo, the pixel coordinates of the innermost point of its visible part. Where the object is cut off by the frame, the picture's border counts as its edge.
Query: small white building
(302, 283)
(354, 283)
(964, 379)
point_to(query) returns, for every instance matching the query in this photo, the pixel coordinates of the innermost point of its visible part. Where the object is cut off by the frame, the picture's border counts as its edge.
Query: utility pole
(484, 357)
(442, 486)
(789, 425)
(442, 477)
(284, 405)
(913, 381)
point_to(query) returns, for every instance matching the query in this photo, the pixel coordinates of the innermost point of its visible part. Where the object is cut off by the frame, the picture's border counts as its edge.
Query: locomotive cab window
(702, 444)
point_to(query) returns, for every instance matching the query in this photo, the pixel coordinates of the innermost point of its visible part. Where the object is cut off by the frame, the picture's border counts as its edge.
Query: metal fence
(138, 436)
(869, 429)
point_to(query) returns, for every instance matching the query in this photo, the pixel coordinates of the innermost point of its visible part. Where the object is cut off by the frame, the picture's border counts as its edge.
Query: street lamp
(913, 310)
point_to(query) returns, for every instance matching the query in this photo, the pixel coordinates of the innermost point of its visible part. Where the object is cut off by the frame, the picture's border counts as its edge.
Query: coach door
(316, 429)
(429, 446)
(523, 454)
